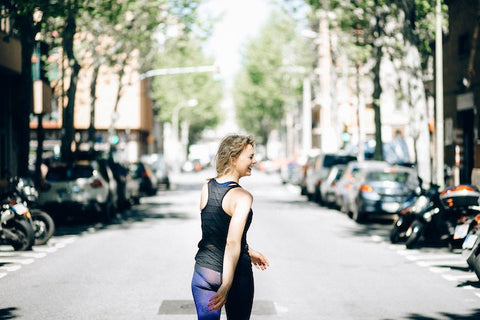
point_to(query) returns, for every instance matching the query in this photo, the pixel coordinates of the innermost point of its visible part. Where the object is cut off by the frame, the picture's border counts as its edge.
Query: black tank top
(215, 223)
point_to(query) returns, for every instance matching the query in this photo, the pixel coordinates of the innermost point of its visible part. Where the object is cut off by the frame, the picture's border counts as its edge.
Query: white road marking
(20, 261)
(438, 270)
(442, 262)
(450, 277)
(15, 259)
(430, 257)
(9, 268)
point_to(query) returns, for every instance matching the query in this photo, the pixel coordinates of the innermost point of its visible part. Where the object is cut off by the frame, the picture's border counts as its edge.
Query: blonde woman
(223, 268)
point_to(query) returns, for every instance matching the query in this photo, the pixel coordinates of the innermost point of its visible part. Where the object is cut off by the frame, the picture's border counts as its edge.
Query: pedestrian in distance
(223, 263)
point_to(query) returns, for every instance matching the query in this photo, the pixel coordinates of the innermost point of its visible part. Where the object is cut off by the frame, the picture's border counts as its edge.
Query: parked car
(380, 191)
(86, 185)
(291, 171)
(317, 172)
(327, 188)
(159, 167)
(145, 177)
(349, 174)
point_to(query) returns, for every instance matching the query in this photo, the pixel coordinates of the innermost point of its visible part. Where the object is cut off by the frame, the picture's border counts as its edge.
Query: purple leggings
(205, 283)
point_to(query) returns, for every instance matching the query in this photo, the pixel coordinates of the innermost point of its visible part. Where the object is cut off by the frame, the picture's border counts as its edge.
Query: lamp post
(328, 141)
(439, 95)
(178, 148)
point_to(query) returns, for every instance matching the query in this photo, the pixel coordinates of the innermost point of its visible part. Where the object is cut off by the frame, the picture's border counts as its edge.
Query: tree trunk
(69, 110)
(93, 94)
(113, 119)
(377, 91)
(21, 118)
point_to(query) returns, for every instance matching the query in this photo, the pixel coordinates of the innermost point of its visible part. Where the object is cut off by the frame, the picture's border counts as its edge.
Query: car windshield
(400, 177)
(339, 174)
(69, 173)
(331, 160)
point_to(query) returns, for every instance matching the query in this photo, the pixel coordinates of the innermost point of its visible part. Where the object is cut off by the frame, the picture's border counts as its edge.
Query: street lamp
(439, 94)
(176, 140)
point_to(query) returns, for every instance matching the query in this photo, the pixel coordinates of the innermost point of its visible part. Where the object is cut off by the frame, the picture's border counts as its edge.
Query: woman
(223, 269)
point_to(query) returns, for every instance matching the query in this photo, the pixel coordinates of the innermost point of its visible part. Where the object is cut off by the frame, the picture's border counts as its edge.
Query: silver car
(327, 188)
(348, 177)
(380, 191)
(85, 186)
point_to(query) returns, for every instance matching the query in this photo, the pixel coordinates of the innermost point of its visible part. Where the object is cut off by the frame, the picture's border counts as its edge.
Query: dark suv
(318, 167)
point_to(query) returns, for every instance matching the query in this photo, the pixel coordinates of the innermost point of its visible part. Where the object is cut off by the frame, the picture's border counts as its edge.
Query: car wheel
(357, 214)
(107, 211)
(318, 195)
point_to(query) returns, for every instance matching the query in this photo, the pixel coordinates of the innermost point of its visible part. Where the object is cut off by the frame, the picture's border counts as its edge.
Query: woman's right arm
(241, 208)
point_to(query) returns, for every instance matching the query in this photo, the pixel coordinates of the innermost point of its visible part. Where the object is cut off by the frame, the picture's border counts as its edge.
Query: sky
(242, 19)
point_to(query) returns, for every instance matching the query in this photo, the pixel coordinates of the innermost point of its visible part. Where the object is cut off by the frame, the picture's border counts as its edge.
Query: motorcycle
(15, 226)
(444, 218)
(410, 210)
(43, 224)
(471, 245)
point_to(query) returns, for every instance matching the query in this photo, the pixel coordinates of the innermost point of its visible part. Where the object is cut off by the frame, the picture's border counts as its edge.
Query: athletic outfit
(207, 276)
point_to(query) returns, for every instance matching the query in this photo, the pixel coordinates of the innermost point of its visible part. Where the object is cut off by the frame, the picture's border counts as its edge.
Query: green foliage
(269, 83)
(169, 91)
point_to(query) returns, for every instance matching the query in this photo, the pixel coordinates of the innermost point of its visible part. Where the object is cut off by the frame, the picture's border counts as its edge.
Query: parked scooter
(471, 245)
(15, 226)
(409, 212)
(443, 219)
(43, 224)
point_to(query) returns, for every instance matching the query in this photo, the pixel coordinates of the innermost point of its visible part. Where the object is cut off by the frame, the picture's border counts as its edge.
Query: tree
(169, 91)
(389, 28)
(123, 35)
(268, 83)
(25, 27)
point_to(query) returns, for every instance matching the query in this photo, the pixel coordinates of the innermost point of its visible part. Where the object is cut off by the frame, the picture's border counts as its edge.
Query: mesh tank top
(215, 222)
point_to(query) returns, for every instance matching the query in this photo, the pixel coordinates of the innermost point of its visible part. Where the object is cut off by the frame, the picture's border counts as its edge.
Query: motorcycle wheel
(43, 226)
(395, 234)
(24, 232)
(415, 235)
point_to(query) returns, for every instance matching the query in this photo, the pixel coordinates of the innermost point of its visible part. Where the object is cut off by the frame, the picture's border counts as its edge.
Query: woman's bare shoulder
(240, 193)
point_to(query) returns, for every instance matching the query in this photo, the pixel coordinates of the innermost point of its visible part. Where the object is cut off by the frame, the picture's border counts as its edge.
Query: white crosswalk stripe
(11, 261)
(450, 266)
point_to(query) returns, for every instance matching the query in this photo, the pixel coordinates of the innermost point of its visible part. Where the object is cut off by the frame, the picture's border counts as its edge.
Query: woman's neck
(228, 177)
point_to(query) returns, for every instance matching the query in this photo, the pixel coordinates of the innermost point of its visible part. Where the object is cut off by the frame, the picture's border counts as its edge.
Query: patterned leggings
(205, 283)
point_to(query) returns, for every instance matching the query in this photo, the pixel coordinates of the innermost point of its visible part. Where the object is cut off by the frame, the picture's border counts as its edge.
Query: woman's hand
(258, 260)
(219, 299)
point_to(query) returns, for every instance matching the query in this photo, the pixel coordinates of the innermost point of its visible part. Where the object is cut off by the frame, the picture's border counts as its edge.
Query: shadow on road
(8, 313)
(148, 210)
(444, 315)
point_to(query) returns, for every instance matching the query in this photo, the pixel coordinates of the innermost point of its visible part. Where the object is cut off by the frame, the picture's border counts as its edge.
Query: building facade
(126, 124)
(461, 65)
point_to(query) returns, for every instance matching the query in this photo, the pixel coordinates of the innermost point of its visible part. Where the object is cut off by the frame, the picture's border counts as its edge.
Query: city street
(323, 265)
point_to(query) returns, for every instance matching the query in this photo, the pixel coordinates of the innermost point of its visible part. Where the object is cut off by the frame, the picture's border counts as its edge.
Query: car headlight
(371, 196)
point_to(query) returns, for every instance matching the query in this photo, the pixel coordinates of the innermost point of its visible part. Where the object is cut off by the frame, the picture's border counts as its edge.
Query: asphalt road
(323, 265)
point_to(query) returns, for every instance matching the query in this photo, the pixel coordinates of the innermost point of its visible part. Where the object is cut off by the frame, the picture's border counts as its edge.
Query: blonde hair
(229, 149)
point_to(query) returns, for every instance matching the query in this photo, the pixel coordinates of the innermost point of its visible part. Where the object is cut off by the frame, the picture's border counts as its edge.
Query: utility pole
(328, 143)
(439, 95)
